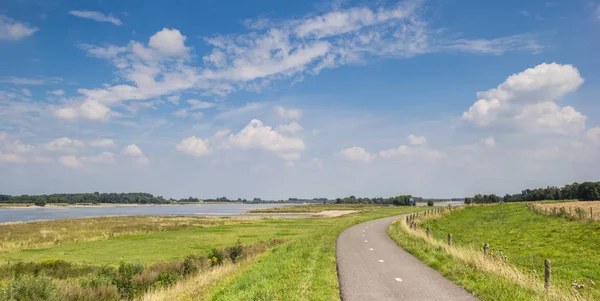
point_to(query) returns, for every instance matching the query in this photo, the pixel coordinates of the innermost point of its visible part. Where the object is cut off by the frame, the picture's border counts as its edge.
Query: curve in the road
(371, 266)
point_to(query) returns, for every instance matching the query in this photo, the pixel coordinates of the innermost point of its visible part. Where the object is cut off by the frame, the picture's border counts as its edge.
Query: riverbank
(96, 205)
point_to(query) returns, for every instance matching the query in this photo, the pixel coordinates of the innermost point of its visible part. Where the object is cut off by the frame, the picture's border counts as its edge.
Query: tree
(430, 203)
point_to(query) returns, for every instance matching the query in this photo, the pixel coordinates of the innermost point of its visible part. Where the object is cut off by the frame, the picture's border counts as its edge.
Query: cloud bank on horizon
(348, 98)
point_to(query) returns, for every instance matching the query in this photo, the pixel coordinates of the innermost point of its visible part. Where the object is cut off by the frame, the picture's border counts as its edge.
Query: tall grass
(499, 279)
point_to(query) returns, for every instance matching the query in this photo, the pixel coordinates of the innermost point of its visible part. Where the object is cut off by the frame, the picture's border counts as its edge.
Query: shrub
(190, 264)
(166, 279)
(430, 203)
(215, 257)
(40, 203)
(29, 288)
(92, 291)
(124, 278)
(235, 252)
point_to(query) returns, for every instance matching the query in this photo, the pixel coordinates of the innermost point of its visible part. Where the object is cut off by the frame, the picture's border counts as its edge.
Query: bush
(215, 257)
(190, 264)
(29, 288)
(235, 252)
(430, 203)
(94, 290)
(40, 203)
(124, 279)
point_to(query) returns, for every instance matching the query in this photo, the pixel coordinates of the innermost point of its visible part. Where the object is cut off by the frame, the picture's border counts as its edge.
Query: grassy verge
(303, 269)
(520, 241)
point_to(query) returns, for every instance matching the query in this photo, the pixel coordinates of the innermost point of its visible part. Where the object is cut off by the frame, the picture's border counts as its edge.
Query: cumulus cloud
(292, 128)
(91, 109)
(134, 151)
(356, 153)
(417, 140)
(70, 161)
(96, 16)
(412, 153)
(14, 30)
(260, 136)
(102, 143)
(26, 92)
(104, 157)
(196, 104)
(64, 145)
(193, 146)
(12, 144)
(288, 113)
(527, 101)
(11, 158)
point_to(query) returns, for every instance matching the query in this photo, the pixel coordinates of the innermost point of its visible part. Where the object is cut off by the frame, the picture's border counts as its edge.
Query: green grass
(303, 269)
(312, 208)
(526, 238)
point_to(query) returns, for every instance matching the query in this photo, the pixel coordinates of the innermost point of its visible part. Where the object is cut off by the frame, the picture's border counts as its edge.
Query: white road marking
(371, 249)
(398, 279)
(363, 235)
(366, 241)
(380, 260)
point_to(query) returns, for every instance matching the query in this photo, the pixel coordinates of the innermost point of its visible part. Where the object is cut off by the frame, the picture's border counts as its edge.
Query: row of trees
(400, 200)
(93, 198)
(587, 191)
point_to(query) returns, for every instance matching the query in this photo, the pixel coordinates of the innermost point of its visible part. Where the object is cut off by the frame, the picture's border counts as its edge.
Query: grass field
(317, 208)
(525, 238)
(302, 268)
(571, 206)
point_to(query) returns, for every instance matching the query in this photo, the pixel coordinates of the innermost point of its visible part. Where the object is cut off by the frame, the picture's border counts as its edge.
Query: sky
(279, 99)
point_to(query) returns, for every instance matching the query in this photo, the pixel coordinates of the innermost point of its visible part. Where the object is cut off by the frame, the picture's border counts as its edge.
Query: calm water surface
(48, 213)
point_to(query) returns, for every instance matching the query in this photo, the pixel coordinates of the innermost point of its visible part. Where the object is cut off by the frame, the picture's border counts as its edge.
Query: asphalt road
(371, 266)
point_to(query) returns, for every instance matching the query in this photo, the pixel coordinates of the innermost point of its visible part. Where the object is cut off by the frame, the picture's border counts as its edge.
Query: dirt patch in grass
(334, 213)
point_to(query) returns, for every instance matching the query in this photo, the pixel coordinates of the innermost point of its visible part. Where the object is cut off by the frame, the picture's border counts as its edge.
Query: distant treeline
(587, 191)
(400, 200)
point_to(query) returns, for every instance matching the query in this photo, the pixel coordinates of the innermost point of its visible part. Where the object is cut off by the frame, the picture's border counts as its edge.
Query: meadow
(150, 258)
(520, 239)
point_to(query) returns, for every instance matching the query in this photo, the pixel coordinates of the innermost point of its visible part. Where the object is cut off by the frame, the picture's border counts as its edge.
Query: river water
(50, 213)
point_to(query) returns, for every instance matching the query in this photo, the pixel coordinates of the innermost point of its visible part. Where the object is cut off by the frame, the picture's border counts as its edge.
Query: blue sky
(279, 99)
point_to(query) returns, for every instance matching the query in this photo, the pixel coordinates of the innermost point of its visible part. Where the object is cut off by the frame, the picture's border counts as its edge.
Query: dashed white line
(398, 279)
(380, 260)
(371, 249)
(366, 241)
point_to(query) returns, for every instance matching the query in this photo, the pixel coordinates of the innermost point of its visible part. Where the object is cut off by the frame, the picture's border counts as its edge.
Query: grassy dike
(519, 241)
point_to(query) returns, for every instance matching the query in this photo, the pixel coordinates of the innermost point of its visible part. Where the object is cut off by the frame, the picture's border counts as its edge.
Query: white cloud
(412, 153)
(14, 30)
(58, 92)
(12, 144)
(193, 146)
(104, 157)
(417, 140)
(70, 161)
(102, 143)
(196, 104)
(489, 141)
(11, 158)
(169, 42)
(222, 133)
(356, 153)
(597, 12)
(134, 151)
(593, 135)
(527, 100)
(247, 108)
(65, 113)
(174, 99)
(94, 110)
(64, 145)
(26, 92)
(96, 16)
(90, 109)
(257, 135)
(291, 128)
(288, 113)
(290, 156)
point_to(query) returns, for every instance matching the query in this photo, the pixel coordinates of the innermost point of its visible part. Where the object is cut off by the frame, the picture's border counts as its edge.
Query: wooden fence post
(486, 249)
(407, 219)
(450, 239)
(428, 232)
(591, 213)
(570, 214)
(547, 273)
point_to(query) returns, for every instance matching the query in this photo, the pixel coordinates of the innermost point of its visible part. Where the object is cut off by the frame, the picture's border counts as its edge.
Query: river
(50, 213)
